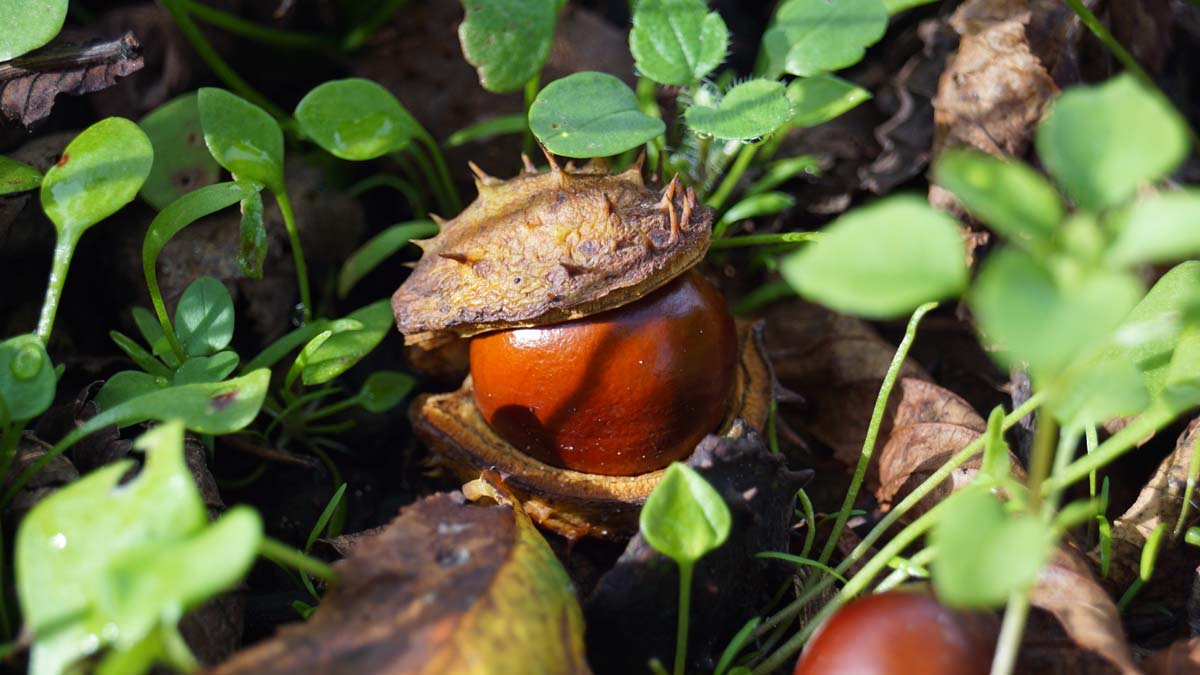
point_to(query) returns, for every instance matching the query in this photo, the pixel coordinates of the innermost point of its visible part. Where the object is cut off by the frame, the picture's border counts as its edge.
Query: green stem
(1193, 472)
(1091, 440)
(898, 511)
(358, 37)
(333, 408)
(810, 518)
(410, 191)
(425, 168)
(760, 239)
(1040, 457)
(868, 447)
(248, 29)
(717, 199)
(289, 222)
(1116, 445)
(214, 61)
(1009, 642)
(6, 631)
(681, 630)
(160, 308)
(899, 576)
(279, 552)
(9, 440)
(64, 248)
(1068, 441)
(443, 171)
(531, 92)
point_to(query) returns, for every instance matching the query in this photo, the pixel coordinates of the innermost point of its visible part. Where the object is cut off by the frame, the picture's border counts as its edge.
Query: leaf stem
(717, 199)
(443, 172)
(760, 239)
(404, 187)
(64, 249)
(1040, 457)
(279, 552)
(1193, 472)
(681, 629)
(289, 222)
(1011, 629)
(358, 37)
(531, 92)
(868, 447)
(232, 23)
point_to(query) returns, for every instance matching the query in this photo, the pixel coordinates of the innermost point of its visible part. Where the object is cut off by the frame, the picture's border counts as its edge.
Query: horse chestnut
(622, 392)
(900, 633)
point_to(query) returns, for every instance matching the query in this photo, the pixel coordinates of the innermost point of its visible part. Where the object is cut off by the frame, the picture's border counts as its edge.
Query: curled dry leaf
(547, 247)
(634, 600)
(1159, 502)
(29, 84)
(447, 587)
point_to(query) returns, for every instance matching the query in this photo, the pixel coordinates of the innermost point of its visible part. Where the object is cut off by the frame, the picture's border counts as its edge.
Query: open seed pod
(597, 356)
(571, 503)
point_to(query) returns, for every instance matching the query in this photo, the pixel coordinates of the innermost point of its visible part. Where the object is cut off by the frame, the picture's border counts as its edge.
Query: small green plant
(29, 25)
(684, 519)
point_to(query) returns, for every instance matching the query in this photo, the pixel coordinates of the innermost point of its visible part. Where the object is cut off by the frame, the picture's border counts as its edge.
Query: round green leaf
(27, 380)
(1102, 142)
(747, 112)
(204, 317)
(29, 24)
(590, 114)
(986, 554)
(507, 40)
(17, 177)
(355, 119)
(882, 260)
(684, 517)
(99, 172)
(379, 248)
(987, 185)
(384, 390)
(809, 37)
(820, 98)
(181, 159)
(677, 42)
(242, 137)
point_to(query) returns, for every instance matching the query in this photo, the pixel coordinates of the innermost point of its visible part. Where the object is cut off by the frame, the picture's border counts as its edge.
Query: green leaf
(753, 206)
(1099, 391)
(783, 170)
(27, 381)
(144, 359)
(384, 390)
(684, 517)
(1037, 319)
(253, 248)
(101, 563)
(205, 408)
(490, 128)
(100, 171)
(16, 176)
(126, 385)
(985, 554)
(1158, 229)
(204, 317)
(590, 114)
(206, 368)
(1008, 195)
(810, 37)
(181, 160)
(897, 6)
(747, 112)
(1102, 142)
(378, 249)
(677, 42)
(507, 40)
(820, 98)
(995, 463)
(325, 358)
(29, 24)
(242, 137)
(882, 260)
(356, 119)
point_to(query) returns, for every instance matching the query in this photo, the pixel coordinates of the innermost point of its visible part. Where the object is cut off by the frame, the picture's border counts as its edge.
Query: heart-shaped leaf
(590, 114)
(820, 98)
(984, 553)
(29, 24)
(27, 380)
(101, 563)
(747, 112)
(100, 171)
(242, 137)
(356, 119)
(986, 186)
(204, 317)
(182, 162)
(882, 260)
(684, 517)
(677, 42)
(810, 37)
(507, 40)
(17, 177)
(1102, 142)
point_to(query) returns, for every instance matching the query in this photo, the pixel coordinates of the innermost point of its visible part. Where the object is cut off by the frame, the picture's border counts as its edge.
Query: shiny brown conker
(621, 392)
(900, 633)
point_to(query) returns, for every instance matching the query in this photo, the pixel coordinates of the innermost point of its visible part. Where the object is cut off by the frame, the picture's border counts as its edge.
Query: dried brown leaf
(29, 84)
(447, 587)
(1181, 658)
